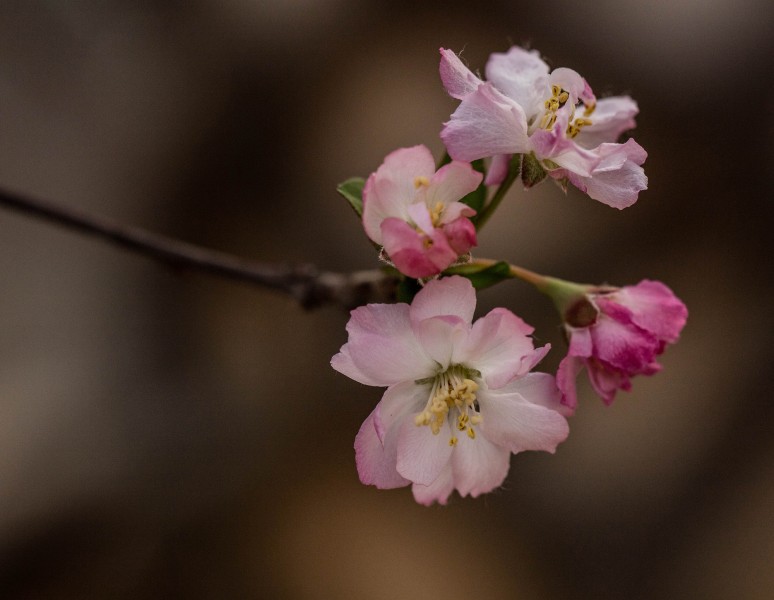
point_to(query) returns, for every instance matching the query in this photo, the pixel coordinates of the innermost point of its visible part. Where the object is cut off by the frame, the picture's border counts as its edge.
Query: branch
(304, 283)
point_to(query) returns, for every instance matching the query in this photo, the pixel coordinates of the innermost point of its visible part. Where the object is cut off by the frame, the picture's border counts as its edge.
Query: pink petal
(498, 169)
(376, 462)
(422, 455)
(478, 465)
(389, 191)
(522, 76)
(343, 363)
(606, 380)
(438, 491)
(438, 336)
(564, 152)
(654, 308)
(461, 235)
(383, 347)
(453, 296)
(420, 216)
(618, 179)
(452, 182)
(496, 346)
(571, 82)
(513, 420)
(415, 254)
(609, 120)
(486, 123)
(566, 377)
(458, 80)
(623, 346)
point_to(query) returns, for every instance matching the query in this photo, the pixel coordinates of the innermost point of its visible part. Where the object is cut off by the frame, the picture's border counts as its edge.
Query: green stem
(514, 168)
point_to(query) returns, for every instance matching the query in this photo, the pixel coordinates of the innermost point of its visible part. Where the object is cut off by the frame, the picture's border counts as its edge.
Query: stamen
(451, 391)
(436, 213)
(420, 180)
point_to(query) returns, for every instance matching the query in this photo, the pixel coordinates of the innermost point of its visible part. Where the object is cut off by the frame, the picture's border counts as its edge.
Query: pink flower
(616, 334)
(415, 214)
(525, 109)
(460, 397)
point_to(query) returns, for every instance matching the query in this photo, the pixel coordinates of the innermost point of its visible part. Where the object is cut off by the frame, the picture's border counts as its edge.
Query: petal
(420, 216)
(448, 296)
(451, 183)
(611, 117)
(376, 462)
(571, 82)
(398, 401)
(461, 234)
(522, 76)
(343, 363)
(458, 80)
(421, 454)
(566, 377)
(524, 422)
(496, 346)
(486, 123)
(606, 380)
(416, 254)
(439, 335)
(478, 465)
(623, 346)
(390, 190)
(383, 347)
(654, 308)
(498, 169)
(564, 152)
(438, 491)
(618, 179)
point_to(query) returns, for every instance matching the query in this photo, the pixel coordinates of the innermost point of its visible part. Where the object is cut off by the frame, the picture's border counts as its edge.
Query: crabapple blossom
(415, 214)
(524, 108)
(460, 397)
(617, 333)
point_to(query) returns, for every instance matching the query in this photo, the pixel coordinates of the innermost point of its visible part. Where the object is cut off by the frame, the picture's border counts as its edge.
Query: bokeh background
(173, 435)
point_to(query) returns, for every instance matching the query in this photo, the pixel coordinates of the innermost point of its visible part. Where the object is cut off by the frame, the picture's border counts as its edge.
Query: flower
(617, 333)
(525, 109)
(415, 214)
(460, 397)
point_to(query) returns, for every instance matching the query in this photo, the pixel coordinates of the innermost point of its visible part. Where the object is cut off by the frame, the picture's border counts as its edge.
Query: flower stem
(514, 168)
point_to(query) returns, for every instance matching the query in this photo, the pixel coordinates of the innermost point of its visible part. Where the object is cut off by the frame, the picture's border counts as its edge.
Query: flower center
(557, 100)
(436, 213)
(453, 397)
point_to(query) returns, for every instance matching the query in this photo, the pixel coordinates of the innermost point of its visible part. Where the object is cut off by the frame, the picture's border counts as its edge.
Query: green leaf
(489, 276)
(407, 289)
(532, 172)
(477, 197)
(352, 190)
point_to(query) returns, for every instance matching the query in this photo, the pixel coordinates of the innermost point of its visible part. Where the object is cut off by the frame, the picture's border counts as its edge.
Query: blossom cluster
(461, 394)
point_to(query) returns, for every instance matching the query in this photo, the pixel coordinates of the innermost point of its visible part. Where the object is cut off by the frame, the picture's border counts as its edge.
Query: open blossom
(525, 109)
(460, 397)
(617, 334)
(415, 214)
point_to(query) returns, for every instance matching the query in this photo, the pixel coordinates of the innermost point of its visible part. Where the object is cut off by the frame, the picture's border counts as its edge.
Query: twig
(305, 283)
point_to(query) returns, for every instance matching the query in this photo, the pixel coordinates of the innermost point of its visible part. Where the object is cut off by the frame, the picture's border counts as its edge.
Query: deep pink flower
(415, 214)
(524, 108)
(460, 397)
(617, 334)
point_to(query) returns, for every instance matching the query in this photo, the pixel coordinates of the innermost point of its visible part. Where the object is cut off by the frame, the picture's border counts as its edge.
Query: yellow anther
(452, 441)
(555, 90)
(476, 419)
(420, 180)
(563, 97)
(471, 433)
(437, 213)
(589, 109)
(471, 385)
(462, 422)
(427, 243)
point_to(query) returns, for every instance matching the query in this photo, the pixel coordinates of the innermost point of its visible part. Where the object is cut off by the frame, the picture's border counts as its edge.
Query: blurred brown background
(170, 435)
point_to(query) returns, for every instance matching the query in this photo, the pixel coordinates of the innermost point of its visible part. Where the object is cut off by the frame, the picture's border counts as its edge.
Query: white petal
(422, 455)
(438, 491)
(522, 76)
(376, 461)
(478, 465)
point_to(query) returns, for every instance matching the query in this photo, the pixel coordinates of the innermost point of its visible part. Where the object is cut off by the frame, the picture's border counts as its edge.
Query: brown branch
(305, 283)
